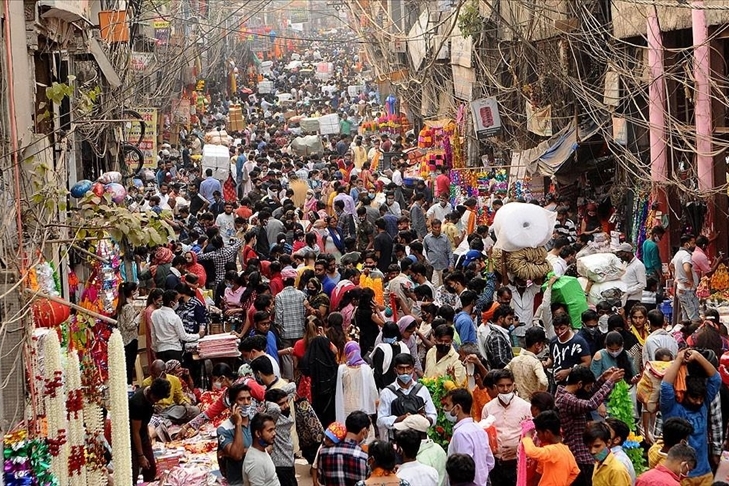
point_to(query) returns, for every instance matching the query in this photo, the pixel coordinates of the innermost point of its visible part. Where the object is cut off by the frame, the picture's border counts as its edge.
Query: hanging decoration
(76, 431)
(478, 183)
(55, 406)
(26, 462)
(119, 401)
(640, 226)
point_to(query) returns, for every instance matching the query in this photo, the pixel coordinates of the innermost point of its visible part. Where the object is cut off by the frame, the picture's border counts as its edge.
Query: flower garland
(95, 461)
(76, 432)
(438, 387)
(55, 404)
(26, 462)
(119, 401)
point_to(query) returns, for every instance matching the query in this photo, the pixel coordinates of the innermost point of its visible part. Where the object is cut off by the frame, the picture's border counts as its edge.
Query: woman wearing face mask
(383, 354)
(333, 239)
(639, 329)
(127, 320)
(613, 356)
(408, 326)
(234, 288)
(317, 299)
(154, 302)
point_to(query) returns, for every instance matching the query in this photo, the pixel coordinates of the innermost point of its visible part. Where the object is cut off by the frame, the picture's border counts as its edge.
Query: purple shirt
(348, 203)
(468, 438)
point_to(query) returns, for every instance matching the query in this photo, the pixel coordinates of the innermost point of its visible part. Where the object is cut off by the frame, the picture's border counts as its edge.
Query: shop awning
(547, 157)
(68, 10)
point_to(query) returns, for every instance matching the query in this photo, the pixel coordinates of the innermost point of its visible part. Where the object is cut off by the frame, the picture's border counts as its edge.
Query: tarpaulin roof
(547, 157)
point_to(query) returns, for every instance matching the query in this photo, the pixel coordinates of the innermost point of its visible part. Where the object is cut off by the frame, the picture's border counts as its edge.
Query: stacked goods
(528, 263)
(520, 225)
(329, 124)
(521, 231)
(568, 291)
(235, 119)
(218, 346)
(604, 271)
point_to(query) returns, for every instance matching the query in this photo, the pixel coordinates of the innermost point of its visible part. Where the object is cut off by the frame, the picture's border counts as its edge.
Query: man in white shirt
(169, 332)
(440, 210)
(404, 397)
(509, 411)
(634, 277)
(429, 453)
(411, 470)
(686, 280)
(258, 468)
(226, 222)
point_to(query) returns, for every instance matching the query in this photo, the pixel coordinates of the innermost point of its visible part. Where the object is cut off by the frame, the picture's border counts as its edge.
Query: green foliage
(98, 215)
(57, 91)
(50, 196)
(87, 99)
(470, 21)
(620, 406)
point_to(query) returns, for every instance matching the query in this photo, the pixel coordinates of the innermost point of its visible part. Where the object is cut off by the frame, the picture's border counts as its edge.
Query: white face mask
(506, 398)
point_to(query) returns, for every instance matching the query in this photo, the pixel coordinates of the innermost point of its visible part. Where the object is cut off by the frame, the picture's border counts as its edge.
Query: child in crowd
(555, 462)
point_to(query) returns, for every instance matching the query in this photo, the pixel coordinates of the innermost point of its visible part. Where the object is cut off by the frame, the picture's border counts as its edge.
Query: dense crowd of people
(347, 284)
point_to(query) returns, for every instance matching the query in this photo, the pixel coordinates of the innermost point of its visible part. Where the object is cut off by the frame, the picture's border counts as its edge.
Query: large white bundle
(521, 225)
(600, 267)
(329, 124)
(610, 290)
(307, 145)
(309, 124)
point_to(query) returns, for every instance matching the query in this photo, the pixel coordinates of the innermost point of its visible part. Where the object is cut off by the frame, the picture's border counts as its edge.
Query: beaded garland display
(478, 183)
(76, 431)
(119, 405)
(55, 405)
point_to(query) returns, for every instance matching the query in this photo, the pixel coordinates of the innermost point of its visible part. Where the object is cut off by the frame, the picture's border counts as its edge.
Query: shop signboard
(486, 119)
(148, 145)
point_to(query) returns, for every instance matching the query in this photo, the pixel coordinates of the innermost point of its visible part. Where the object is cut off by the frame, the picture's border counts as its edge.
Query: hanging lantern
(47, 313)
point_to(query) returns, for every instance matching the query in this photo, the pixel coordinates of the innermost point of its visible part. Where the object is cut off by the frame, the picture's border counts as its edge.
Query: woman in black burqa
(320, 363)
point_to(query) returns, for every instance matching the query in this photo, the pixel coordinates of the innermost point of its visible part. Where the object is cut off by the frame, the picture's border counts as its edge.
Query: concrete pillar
(657, 120)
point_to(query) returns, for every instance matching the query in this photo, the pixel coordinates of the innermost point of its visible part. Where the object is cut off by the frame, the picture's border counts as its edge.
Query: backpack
(648, 390)
(410, 403)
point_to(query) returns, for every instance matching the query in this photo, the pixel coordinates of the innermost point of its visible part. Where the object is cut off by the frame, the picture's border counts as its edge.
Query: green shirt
(433, 455)
(345, 127)
(652, 258)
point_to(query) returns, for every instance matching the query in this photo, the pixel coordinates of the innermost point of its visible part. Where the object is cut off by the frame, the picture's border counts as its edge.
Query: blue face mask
(391, 340)
(600, 456)
(405, 379)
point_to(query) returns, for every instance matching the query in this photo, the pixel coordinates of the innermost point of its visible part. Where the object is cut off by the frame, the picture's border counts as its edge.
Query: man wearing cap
(430, 453)
(634, 277)
(345, 463)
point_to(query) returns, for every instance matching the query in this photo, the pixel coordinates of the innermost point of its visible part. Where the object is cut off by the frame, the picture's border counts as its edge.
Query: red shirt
(442, 185)
(659, 476)
(244, 212)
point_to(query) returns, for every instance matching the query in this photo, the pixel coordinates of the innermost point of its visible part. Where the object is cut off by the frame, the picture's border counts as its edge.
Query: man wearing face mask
(258, 467)
(169, 331)
(278, 406)
(442, 357)
(679, 463)
(575, 401)
(694, 406)
(468, 437)
(510, 411)
(686, 279)
(652, 256)
(234, 435)
(590, 331)
(404, 397)
(440, 210)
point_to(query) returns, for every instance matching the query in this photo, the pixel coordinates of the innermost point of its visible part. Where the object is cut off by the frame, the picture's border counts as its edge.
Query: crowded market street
(364, 243)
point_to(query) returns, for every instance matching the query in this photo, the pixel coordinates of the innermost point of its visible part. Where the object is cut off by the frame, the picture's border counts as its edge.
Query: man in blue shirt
(209, 186)
(240, 174)
(463, 322)
(694, 406)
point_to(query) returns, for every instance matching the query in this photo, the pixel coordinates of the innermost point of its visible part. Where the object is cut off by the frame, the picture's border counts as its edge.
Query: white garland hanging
(76, 431)
(55, 405)
(94, 417)
(119, 403)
